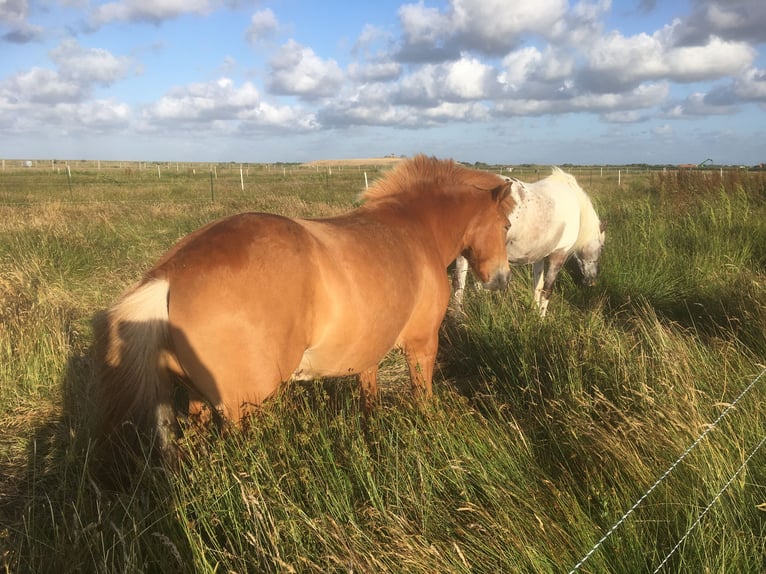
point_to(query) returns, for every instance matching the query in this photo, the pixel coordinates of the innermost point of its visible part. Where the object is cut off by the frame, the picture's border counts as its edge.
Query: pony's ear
(502, 191)
(518, 186)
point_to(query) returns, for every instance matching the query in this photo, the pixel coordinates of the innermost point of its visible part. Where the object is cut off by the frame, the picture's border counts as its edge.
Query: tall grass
(541, 434)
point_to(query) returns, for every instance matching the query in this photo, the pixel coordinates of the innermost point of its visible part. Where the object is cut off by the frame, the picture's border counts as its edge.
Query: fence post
(212, 193)
(69, 179)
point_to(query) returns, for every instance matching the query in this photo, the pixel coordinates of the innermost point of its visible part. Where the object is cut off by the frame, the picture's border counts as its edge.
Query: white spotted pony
(551, 220)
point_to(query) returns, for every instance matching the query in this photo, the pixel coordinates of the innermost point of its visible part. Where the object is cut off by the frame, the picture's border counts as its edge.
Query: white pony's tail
(131, 340)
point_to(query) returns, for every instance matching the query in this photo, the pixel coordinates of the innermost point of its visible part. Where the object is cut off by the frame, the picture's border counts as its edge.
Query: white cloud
(495, 26)
(297, 70)
(617, 61)
(519, 66)
(283, 118)
(468, 79)
(33, 100)
(148, 10)
(64, 113)
(346, 113)
(436, 95)
(421, 87)
(424, 25)
(528, 65)
(13, 11)
(203, 102)
(22, 34)
(262, 25)
(751, 85)
(461, 80)
(377, 110)
(700, 104)
(447, 112)
(715, 59)
(78, 71)
(737, 20)
(221, 105)
(98, 114)
(14, 14)
(643, 96)
(369, 37)
(582, 24)
(486, 26)
(624, 117)
(374, 71)
(41, 85)
(88, 65)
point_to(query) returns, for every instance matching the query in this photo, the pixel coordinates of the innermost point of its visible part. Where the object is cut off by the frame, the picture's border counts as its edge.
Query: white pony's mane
(590, 224)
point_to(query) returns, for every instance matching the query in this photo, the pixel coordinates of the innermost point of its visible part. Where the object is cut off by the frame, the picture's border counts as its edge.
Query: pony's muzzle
(498, 280)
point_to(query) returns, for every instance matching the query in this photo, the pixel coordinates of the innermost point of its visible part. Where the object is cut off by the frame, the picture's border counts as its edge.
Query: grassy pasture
(540, 437)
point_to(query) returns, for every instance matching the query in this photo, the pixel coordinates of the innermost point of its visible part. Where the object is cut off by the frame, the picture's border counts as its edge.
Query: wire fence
(176, 182)
(667, 473)
(25, 181)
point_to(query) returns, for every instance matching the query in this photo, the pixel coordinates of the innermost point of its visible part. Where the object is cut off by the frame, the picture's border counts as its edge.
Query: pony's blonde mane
(590, 224)
(422, 174)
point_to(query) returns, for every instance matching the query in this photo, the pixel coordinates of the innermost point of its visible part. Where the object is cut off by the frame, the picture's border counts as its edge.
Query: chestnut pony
(249, 301)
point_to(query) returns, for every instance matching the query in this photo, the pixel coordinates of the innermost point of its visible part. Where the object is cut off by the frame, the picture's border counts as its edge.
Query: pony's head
(588, 254)
(485, 239)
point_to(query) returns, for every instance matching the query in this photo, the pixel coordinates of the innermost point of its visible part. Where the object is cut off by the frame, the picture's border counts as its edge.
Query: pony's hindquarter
(132, 341)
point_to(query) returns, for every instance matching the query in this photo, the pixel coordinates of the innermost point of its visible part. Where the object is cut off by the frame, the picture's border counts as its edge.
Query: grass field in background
(541, 434)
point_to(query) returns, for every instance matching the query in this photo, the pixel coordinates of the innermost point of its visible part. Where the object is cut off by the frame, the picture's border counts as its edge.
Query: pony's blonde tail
(132, 339)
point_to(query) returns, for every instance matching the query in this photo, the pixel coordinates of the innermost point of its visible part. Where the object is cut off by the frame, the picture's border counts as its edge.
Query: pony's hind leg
(369, 389)
(555, 262)
(538, 275)
(165, 415)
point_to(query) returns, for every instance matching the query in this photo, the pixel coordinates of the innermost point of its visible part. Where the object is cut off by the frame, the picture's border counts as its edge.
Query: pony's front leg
(458, 280)
(420, 361)
(369, 389)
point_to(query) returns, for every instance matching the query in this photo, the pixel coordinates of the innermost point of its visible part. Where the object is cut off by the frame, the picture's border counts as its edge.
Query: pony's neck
(447, 220)
(439, 222)
(590, 225)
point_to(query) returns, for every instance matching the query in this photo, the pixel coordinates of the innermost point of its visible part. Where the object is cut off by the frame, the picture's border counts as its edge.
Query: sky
(495, 81)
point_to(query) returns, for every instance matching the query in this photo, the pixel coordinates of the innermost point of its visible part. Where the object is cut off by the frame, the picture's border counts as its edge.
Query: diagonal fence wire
(670, 469)
(709, 506)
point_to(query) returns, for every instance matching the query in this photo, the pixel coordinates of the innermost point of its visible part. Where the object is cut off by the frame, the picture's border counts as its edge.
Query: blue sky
(529, 81)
